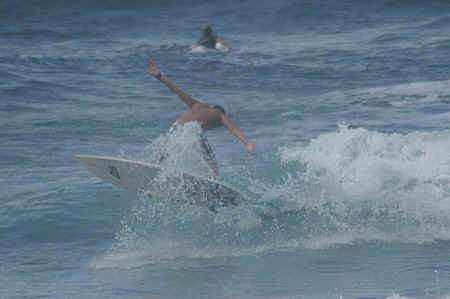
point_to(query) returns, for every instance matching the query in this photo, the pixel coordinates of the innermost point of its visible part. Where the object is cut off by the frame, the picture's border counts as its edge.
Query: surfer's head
(220, 108)
(207, 30)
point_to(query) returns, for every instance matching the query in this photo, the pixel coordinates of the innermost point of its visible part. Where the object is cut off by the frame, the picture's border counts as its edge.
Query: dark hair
(219, 108)
(207, 29)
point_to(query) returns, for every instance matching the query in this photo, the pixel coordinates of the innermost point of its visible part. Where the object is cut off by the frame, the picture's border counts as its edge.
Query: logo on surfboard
(114, 172)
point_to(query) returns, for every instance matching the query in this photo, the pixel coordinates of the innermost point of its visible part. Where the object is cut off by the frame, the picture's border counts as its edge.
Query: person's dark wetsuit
(208, 42)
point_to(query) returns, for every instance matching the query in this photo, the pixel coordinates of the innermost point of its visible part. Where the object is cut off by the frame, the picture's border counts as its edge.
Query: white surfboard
(222, 47)
(201, 49)
(143, 178)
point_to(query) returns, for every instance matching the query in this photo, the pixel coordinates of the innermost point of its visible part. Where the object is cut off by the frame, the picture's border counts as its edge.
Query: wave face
(390, 185)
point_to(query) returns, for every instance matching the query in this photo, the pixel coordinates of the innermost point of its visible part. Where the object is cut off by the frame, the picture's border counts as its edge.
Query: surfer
(210, 41)
(208, 117)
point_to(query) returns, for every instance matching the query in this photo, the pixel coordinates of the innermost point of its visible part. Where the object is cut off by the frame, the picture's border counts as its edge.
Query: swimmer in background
(210, 41)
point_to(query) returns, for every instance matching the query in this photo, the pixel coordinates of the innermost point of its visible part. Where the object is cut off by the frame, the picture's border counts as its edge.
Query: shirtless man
(206, 116)
(210, 41)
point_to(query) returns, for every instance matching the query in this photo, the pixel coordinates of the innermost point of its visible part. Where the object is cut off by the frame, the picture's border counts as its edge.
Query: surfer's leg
(162, 153)
(208, 155)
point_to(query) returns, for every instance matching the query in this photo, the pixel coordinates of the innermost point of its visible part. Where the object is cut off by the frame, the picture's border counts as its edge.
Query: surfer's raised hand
(154, 70)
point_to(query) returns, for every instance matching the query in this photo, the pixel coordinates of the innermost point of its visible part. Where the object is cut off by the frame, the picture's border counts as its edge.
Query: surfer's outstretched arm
(154, 71)
(236, 132)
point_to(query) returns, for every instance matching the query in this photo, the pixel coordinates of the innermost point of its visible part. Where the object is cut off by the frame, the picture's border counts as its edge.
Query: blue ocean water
(349, 186)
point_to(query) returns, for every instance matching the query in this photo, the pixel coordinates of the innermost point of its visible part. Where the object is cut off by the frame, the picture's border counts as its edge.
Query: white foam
(361, 161)
(406, 177)
(182, 148)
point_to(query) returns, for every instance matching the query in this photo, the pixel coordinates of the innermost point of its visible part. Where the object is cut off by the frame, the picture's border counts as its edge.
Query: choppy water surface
(349, 185)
